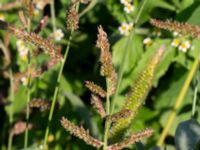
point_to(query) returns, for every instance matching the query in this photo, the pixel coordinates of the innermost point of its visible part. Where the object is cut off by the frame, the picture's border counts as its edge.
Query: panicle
(136, 96)
(80, 132)
(105, 58)
(40, 103)
(34, 39)
(131, 139)
(97, 104)
(122, 114)
(107, 68)
(20, 127)
(95, 88)
(72, 18)
(112, 82)
(183, 28)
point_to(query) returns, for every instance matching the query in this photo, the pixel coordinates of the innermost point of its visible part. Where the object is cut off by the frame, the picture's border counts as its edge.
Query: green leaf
(165, 62)
(134, 52)
(187, 135)
(83, 111)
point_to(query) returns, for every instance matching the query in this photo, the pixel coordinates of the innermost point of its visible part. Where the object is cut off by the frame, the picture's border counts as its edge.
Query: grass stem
(57, 89)
(28, 95)
(10, 139)
(179, 101)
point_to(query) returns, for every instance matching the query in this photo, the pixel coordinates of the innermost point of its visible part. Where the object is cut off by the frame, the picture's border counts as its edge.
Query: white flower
(175, 34)
(175, 42)
(2, 17)
(129, 8)
(58, 35)
(125, 1)
(184, 46)
(40, 5)
(126, 28)
(147, 41)
(24, 81)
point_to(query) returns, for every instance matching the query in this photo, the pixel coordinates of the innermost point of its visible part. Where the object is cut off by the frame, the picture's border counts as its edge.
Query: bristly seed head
(97, 104)
(40, 103)
(131, 139)
(80, 132)
(95, 88)
(72, 18)
(183, 28)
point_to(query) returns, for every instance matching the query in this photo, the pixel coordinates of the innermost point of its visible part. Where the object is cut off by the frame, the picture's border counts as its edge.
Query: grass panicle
(97, 104)
(80, 132)
(183, 28)
(40, 103)
(135, 137)
(96, 89)
(33, 38)
(136, 96)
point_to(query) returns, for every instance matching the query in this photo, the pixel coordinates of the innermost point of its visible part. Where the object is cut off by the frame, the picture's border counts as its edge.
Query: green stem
(28, 94)
(10, 139)
(195, 95)
(88, 8)
(58, 84)
(107, 124)
(57, 89)
(179, 101)
(121, 70)
(140, 11)
(53, 18)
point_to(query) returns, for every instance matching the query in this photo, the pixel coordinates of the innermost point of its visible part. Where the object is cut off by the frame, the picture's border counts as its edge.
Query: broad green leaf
(165, 62)
(82, 110)
(134, 52)
(187, 135)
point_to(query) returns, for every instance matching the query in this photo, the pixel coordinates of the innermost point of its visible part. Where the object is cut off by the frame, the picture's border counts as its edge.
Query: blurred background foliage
(83, 64)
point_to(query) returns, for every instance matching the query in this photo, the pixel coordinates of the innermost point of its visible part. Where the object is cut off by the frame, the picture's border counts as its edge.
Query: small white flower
(41, 147)
(125, 1)
(40, 5)
(184, 46)
(2, 17)
(130, 26)
(129, 8)
(175, 42)
(24, 81)
(126, 28)
(175, 34)
(147, 41)
(58, 35)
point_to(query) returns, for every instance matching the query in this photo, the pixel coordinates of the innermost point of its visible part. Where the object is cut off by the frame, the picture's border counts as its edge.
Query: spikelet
(40, 103)
(136, 97)
(107, 68)
(34, 39)
(122, 114)
(72, 18)
(95, 88)
(131, 139)
(183, 28)
(97, 104)
(20, 127)
(112, 82)
(80, 132)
